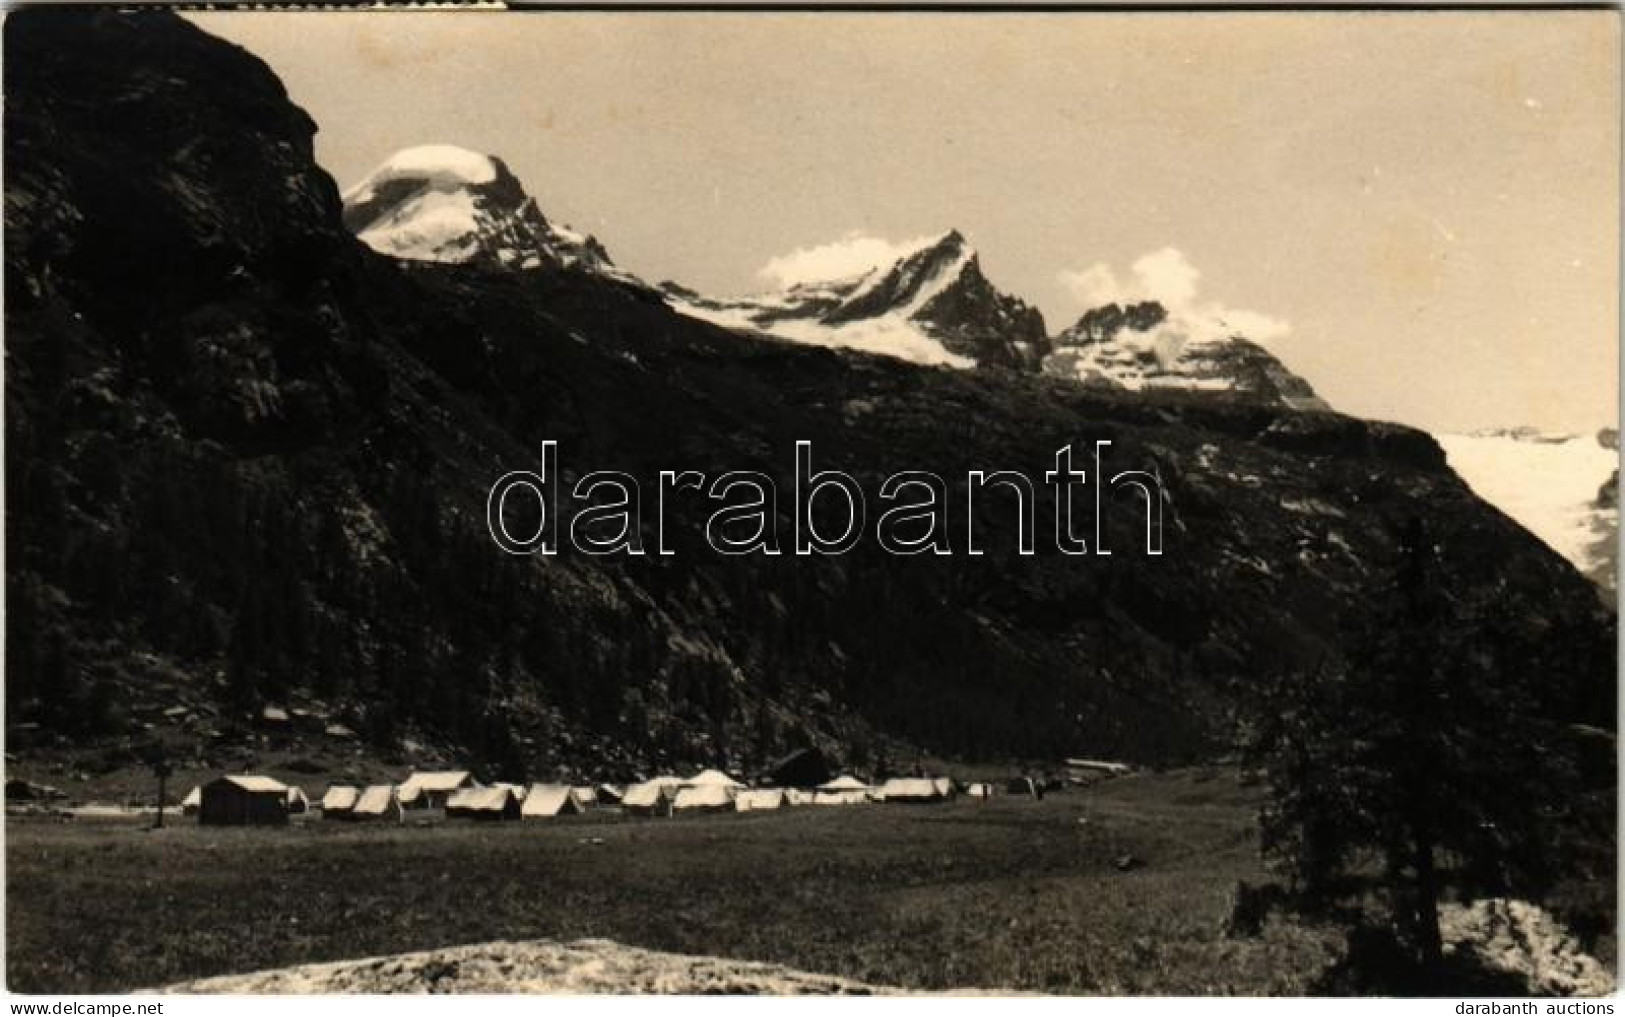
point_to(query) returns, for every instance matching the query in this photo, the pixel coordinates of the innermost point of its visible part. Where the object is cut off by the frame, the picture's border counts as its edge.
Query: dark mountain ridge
(247, 462)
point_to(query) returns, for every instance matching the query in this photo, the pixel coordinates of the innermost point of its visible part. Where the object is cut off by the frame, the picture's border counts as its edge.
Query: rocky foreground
(537, 966)
(1507, 936)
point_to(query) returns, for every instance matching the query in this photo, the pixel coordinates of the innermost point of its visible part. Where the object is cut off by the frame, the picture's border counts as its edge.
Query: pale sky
(1422, 208)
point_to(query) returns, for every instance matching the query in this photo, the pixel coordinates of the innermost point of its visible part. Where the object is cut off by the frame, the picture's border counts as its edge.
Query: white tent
(544, 801)
(586, 797)
(712, 778)
(483, 803)
(980, 789)
(843, 790)
(652, 797)
(431, 790)
(339, 801)
(192, 802)
(796, 796)
(378, 801)
(845, 782)
(763, 799)
(298, 802)
(519, 790)
(704, 798)
(913, 789)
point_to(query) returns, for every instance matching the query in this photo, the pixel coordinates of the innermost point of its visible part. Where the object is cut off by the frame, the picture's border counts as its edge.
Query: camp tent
(760, 800)
(519, 790)
(489, 803)
(843, 790)
(609, 794)
(712, 778)
(545, 801)
(339, 801)
(586, 797)
(945, 787)
(980, 789)
(430, 790)
(798, 796)
(298, 803)
(243, 801)
(651, 798)
(378, 801)
(192, 802)
(1022, 786)
(845, 782)
(704, 798)
(913, 790)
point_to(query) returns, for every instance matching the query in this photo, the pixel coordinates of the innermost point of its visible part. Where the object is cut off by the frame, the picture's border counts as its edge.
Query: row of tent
(713, 791)
(253, 800)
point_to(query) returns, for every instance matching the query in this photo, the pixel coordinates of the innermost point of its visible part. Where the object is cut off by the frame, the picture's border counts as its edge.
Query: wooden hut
(243, 800)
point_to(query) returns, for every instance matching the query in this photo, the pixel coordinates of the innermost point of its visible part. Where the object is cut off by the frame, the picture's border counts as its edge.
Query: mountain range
(247, 458)
(930, 303)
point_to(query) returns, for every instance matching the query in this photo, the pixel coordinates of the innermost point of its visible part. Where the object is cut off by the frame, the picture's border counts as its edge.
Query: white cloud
(1094, 286)
(1167, 276)
(852, 255)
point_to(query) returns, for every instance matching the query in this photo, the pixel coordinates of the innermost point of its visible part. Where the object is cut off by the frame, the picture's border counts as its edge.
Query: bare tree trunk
(1429, 940)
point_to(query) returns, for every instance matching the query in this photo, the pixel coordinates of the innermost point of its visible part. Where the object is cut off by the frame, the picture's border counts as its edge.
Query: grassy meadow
(1121, 888)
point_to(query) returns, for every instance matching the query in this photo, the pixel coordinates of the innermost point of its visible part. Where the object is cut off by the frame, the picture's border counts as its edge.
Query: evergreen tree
(1422, 762)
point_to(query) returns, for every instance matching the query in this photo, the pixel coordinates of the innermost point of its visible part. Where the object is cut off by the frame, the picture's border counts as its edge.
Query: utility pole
(161, 769)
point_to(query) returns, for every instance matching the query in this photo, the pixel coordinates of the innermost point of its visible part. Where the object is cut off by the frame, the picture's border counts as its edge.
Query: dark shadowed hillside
(247, 462)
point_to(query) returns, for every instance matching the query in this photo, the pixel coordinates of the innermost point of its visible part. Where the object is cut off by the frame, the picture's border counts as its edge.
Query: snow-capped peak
(1143, 346)
(856, 255)
(924, 300)
(439, 167)
(448, 204)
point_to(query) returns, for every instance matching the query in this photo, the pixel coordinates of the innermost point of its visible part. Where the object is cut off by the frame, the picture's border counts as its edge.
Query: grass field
(1011, 893)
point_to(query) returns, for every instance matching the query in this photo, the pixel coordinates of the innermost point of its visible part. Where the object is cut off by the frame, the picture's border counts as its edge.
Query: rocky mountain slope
(932, 305)
(247, 460)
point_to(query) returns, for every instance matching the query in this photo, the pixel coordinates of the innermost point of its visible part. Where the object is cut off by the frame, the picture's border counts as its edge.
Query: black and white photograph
(895, 502)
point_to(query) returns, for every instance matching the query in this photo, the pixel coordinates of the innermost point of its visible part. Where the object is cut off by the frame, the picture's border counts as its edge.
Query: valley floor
(1006, 894)
(1122, 888)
